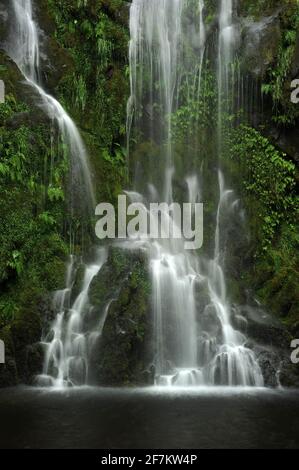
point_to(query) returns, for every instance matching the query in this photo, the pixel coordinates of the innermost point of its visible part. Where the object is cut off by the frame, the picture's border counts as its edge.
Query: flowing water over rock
(23, 47)
(70, 341)
(68, 352)
(226, 43)
(194, 340)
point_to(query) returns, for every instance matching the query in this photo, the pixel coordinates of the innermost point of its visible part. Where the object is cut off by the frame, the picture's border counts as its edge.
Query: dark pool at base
(132, 419)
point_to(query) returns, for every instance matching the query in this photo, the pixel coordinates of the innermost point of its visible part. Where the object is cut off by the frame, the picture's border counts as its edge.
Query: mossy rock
(8, 371)
(121, 357)
(4, 20)
(260, 45)
(26, 330)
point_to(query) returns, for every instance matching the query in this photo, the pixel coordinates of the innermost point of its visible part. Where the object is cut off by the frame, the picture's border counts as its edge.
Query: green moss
(95, 90)
(279, 75)
(268, 178)
(121, 358)
(33, 247)
(258, 8)
(268, 184)
(8, 371)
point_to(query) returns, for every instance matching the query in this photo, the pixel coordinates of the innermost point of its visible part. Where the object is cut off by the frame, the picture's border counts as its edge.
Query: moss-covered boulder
(8, 371)
(4, 21)
(122, 291)
(260, 43)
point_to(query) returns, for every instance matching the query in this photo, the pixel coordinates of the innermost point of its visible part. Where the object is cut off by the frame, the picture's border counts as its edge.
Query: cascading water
(225, 60)
(157, 25)
(234, 364)
(71, 340)
(194, 340)
(226, 41)
(202, 42)
(24, 49)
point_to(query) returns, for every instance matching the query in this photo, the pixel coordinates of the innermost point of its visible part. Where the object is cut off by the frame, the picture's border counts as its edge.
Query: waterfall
(202, 42)
(23, 48)
(70, 341)
(194, 342)
(157, 26)
(225, 58)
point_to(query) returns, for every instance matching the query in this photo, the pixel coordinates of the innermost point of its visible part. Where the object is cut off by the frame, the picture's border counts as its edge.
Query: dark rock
(260, 43)
(269, 362)
(209, 322)
(295, 62)
(4, 21)
(121, 357)
(8, 371)
(34, 356)
(25, 330)
(46, 312)
(289, 374)
(286, 139)
(270, 340)
(262, 327)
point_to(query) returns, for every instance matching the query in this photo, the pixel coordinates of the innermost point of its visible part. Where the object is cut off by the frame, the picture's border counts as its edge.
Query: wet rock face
(121, 355)
(263, 328)
(289, 374)
(270, 341)
(15, 85)
(295, 62)
(8, 371)
(269, 363)
(23, 358)
(55, 61)
(4, 20)
(22, 363)
(23, 352)
(260, 40)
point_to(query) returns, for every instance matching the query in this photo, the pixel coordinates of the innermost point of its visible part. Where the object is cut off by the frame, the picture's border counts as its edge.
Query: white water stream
(23, 47)
(69, 343)
(194, 340)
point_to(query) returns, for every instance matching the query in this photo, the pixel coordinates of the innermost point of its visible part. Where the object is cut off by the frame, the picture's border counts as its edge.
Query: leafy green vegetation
(268, 184)
(278, 80)
(95, 88)
(33, 249)
(268, 180)
(89, 42)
